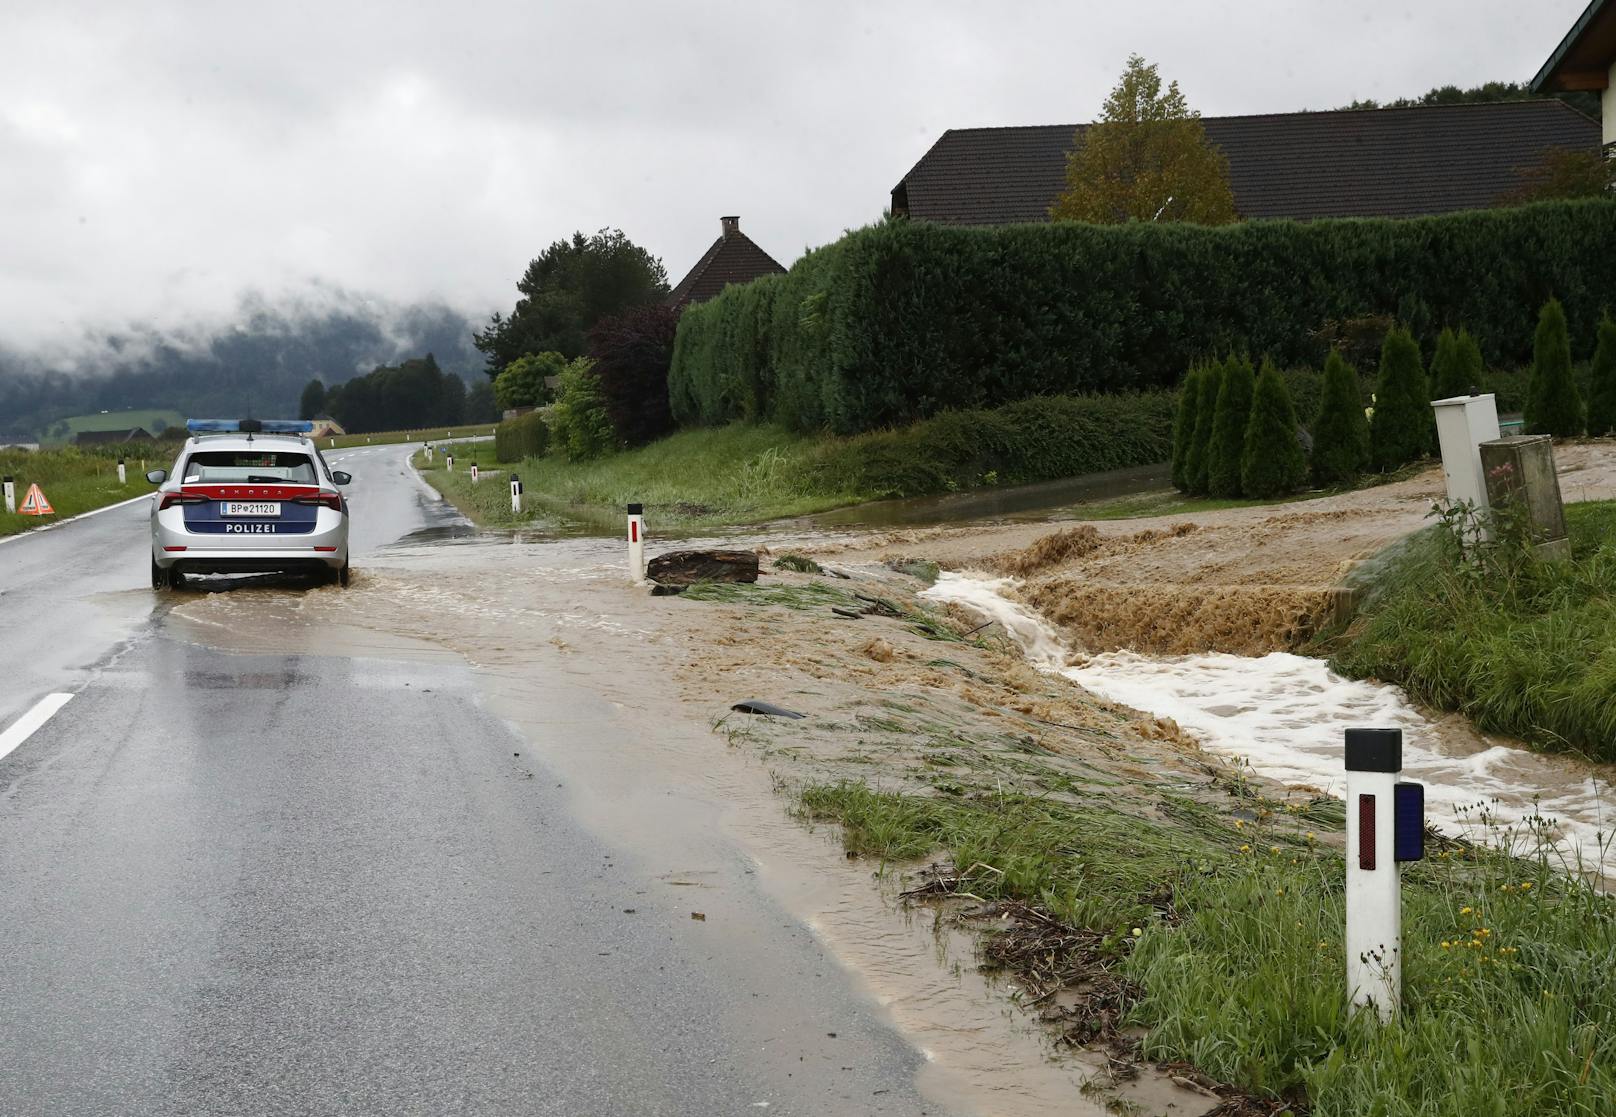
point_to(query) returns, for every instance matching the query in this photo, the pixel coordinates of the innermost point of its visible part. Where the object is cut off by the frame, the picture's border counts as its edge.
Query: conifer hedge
(1341, 431)
(1229, 419)
(904, 319)
(1602, 382)
(1272, 463)
(1189, 400)
(1553, 404)
(1198, 463)
(1399, 431)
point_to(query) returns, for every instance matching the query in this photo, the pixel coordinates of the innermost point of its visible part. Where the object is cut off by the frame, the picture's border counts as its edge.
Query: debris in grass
(923, 569)
(768, 709)
(879, 650)
(802, 564)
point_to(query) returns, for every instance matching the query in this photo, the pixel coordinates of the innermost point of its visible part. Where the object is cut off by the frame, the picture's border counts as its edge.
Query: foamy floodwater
(1284, 715)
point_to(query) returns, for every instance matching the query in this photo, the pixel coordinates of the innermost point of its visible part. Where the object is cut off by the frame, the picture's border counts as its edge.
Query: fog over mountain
(257, 361)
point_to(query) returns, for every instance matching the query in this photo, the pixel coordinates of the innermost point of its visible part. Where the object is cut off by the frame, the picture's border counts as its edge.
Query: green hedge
(523, 437)
(1030, 440)
(899, 321)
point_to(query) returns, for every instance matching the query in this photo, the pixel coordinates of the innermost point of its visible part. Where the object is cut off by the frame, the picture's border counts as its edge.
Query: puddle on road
(523, 615)
(1284, 715)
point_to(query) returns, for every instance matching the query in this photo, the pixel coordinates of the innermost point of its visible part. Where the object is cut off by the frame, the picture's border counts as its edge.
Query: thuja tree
(1189, 401)
(1447, 378)
(1602, 382)
(1553, 404)
(1195, 463)
(1230, 416)
(1341, 431)
(1400, 431)
(1272, 463)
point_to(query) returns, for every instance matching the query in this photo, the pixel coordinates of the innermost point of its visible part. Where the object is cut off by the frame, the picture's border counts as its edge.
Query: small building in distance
(1585, 61)
(1404, 162)
(107, 438)
(326, 427)
(733, 258)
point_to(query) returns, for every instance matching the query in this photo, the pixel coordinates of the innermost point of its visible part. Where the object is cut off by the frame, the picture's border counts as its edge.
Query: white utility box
(1463, 423)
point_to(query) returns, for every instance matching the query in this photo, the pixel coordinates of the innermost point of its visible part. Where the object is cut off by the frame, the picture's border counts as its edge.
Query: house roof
(1583, 58)
(733, 258)
(1345, 163)
(96, 438)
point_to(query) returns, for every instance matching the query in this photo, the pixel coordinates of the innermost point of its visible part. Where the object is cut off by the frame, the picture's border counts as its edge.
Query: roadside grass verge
(76, 480)
(750, 473)
(1222, 938)
(1518, 646)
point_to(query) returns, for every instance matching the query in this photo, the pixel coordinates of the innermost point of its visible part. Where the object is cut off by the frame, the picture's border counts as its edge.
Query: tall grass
(1233, 933)
(1522, 647)
(77, 480)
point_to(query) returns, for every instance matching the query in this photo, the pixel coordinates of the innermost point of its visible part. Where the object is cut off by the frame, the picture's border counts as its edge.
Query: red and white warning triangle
(35, 504)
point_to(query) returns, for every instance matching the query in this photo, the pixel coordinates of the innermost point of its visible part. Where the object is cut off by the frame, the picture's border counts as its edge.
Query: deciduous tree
(312, 401)
(524, 382)
(565, 290)
(631, 352)
(1146, 159)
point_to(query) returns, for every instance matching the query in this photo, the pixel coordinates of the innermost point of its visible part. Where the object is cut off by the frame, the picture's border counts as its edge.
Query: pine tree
(1470, 362)
(1196, 466)
(1553, 404)
(1189, 399)
(1447, 376)
(1273, 463)
(1230, 416)
(1341, 432)
(1400, 431)
(1602, 388)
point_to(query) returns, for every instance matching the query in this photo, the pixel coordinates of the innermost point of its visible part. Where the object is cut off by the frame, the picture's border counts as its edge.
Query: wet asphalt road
(304, 884)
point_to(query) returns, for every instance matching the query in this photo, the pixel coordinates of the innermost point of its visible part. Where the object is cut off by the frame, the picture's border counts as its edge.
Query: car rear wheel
(340, 577)
(159, 576)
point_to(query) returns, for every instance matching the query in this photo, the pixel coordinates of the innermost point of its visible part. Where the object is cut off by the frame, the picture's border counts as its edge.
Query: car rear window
(216, 466)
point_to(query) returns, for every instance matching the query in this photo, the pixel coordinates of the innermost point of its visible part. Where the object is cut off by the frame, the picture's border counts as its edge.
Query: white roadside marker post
(636, 542)
(428, 451)
(448, 462)
(516, 495)
(473, 473)
(1385, 827)
(11, 493)
(123, 479)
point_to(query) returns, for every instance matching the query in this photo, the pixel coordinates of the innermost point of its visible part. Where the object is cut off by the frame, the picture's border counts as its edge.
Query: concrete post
(636, 542)
(11, 493)
(448, 462)
(473, 473)
(123, 478)
(1374, 894)
(516, 495)
(428, 451)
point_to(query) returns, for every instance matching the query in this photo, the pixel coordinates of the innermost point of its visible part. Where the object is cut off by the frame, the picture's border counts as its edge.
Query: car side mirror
(340, 477)
(157, 476)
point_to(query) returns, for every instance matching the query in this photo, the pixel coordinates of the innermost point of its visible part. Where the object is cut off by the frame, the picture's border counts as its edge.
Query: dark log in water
(686, 568)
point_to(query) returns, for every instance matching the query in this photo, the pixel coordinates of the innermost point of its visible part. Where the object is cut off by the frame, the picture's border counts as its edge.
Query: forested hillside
(258, 364)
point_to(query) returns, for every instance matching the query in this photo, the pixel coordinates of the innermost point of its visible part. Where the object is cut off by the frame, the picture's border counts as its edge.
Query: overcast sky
(157, 158)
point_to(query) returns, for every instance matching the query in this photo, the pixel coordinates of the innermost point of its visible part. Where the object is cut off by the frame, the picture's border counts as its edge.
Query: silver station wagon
(249, 496)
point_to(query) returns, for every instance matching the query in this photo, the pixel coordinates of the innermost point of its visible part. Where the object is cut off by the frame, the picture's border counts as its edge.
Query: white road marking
(27, 725)
(81, 516)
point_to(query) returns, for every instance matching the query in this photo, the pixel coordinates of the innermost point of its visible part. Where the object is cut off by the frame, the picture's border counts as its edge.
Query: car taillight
(171, 499)
(329, 500)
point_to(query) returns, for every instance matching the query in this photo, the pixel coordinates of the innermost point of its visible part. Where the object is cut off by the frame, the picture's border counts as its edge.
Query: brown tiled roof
(733, 258)
(1346, 163)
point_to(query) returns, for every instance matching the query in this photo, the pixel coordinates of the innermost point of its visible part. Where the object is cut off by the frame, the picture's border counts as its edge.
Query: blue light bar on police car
(249, 426)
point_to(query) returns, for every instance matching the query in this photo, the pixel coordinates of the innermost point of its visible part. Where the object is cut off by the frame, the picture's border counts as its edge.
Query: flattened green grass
(1231, 933)
(1529, 651)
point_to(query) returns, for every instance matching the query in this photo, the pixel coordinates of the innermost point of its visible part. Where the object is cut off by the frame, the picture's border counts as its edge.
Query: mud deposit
(563, 646)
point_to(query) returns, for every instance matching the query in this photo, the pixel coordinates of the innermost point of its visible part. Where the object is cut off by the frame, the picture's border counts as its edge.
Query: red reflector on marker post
(1366, 832)
(636, 542)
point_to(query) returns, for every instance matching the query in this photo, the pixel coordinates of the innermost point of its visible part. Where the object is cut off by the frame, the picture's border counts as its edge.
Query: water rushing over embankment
(1284, 715)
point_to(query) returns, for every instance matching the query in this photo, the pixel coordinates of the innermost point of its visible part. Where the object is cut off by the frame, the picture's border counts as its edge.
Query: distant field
(383, 438)
(114, 420)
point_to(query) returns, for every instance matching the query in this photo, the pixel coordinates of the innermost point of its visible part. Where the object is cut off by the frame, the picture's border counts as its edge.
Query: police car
(248, 496)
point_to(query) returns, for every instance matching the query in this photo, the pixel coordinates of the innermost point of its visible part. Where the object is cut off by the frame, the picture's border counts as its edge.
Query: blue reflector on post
(1408, 820)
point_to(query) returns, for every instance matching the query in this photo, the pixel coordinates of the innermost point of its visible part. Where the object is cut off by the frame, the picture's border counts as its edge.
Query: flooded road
(289, 849)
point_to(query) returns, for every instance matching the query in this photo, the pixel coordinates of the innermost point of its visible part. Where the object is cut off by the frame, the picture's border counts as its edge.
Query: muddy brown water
(548, 626)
